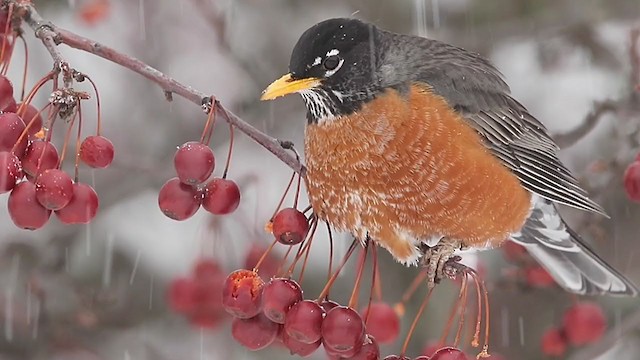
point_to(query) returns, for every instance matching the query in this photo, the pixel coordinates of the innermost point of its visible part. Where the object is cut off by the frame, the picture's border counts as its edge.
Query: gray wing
(572, 264)
(476, 89)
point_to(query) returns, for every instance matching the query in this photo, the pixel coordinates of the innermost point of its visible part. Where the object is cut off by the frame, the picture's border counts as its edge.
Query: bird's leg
(436, 258)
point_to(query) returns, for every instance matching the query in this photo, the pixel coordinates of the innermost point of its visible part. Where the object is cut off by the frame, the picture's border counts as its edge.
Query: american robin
(419, 146)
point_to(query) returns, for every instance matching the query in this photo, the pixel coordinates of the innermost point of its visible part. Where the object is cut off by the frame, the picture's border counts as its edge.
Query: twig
(589, 123)
(51, 36)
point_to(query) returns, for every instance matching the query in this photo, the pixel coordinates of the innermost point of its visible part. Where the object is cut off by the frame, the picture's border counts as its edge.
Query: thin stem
(374, 280)
(226, 166)
(26, 67)
(463, 309)
(415, 322)
(308, 249)
(77, 164)
(264, 255)
(99, 121)
(353, 301)
(333, 278)
(207, 132)
(330, 251)
(67, 136)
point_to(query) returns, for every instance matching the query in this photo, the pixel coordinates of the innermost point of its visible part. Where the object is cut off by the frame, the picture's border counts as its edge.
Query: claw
(439, 261)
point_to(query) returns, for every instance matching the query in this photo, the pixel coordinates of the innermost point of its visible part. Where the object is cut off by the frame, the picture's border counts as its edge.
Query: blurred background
(100, 291)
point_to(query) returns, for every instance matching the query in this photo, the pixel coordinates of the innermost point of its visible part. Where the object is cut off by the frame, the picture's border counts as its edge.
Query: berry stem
(284, 195)
(463, 309)
(330, 270)
(226, 166)
(362, 260)
(454, 311)
(26, 129)
(374, 281)
(207, 132)
(377, 281)
(264, 255)
(415, 322)
(333, 278)
(302, 250)
(99, 112)
(314, 226)
(284, 260)
(77, 164)
(26, 67)
(36, 87)
(67, 136)
(7, 27)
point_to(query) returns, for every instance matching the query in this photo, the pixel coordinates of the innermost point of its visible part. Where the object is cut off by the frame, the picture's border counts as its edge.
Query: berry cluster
(582, 324)
(30, 167)
(194, 162)
(528, 272)
(264, 312)
(198, 297)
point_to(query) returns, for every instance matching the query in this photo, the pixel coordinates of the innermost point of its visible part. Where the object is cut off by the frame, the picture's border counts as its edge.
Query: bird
(419, 146)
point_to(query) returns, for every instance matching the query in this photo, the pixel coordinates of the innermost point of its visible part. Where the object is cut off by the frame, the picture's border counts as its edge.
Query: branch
(589, 123)
(51, 36)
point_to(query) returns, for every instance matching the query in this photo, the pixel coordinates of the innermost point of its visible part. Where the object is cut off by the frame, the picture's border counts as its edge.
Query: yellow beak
(285, 86)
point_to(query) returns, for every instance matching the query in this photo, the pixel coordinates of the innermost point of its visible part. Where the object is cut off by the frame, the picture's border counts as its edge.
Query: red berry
(278, 296)
(431, 348)
(396, 357)
(10, 171)
(54, 189)
(632, 181)
(382, 322)
(421, 357)
(513, 251)
(194, 162)
(82, 208)
(7, 102)
(328, 305)
(304, 321)
(299, 348)
(221, 196)
(97, 151)
(11, 128)
(290, 226)
(40, 156)
(369, 350)
(584, 323)
(199, 298)
(180, 295)
(449, 353)
(242, 294)
(30, 114)
(24, 209)
(554, 343)
(537, 276)
(342, 330)
(255, 333)
(179, 201)
(207, 269)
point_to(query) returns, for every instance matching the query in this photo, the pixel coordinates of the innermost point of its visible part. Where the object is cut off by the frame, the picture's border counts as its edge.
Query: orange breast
(405, 169)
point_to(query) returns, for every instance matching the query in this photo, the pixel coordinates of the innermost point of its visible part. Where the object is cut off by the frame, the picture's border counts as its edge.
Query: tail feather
(567, 258)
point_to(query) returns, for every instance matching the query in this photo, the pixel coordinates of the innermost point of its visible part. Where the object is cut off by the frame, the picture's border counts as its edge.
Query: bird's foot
(440, 261)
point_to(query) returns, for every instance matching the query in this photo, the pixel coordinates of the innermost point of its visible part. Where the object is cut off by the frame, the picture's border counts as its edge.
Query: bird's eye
(331, 62)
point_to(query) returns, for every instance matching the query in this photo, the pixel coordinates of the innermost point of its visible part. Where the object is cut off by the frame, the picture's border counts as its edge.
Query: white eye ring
(333, 71)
